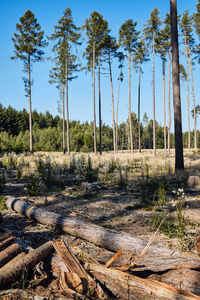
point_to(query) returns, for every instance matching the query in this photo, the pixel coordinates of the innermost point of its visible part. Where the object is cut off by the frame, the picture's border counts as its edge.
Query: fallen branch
(98, 235)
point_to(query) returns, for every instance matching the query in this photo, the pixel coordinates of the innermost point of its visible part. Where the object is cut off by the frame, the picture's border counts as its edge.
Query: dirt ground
(112, 208)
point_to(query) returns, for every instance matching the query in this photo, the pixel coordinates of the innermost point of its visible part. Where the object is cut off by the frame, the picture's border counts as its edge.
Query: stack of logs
(132, 273)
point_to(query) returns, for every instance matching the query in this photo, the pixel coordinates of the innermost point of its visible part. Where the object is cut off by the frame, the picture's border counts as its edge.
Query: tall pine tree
(28, 44)
(67, 35)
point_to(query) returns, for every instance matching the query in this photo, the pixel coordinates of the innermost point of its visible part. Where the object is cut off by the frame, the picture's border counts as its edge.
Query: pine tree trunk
(179, 162)
(30, 105)
(194, 107)
(139, 138)
(188, 97)
(129, 102)
(117, 113)
(113, 107)
(94, 109)
(99, 81)
(163, 71)
(63, 109)
(154, 113)
(169, 100)
(67, 110)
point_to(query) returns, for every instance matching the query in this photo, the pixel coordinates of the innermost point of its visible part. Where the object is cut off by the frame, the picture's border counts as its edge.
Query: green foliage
(128, 36)
(96, 30)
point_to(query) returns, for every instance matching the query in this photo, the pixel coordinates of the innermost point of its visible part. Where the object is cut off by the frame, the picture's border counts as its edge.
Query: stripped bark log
(23, 263)
(125, 285)
(9, 253)
(98, 235)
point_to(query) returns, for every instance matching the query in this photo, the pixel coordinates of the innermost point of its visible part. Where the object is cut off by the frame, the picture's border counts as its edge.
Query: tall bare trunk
(94, 109)
(30, 105)
(63, 109)
(99, 83)
(169, 100)
(67, 109)
(188, 96)
(139, 139)
(113, 106)
(194, 107)
(117, 114)
(163, 71)
(129, 101)
(179, 162)
(154, 111)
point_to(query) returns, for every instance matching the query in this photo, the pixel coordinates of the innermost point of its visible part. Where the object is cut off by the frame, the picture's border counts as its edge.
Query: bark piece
(98, 235)
(22, 263)
(7, 242)
(113, 258)
(9, 253)
(125, 285)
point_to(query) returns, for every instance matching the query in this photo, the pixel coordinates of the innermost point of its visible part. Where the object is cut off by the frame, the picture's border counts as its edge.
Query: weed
(2, 179)
(2, 202)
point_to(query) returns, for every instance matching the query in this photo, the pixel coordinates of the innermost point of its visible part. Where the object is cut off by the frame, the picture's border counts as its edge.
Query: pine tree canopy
(29, 40)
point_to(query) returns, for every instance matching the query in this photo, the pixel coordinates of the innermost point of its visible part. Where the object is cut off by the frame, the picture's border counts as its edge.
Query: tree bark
(163, 71)
(99, 81)
(117, 114)
(94, 109)
(169, 104)
(63, 105)
(154, 111)
(113, 106)
(179, 162)
(30, 105)
(194, 106)
(67, 109)
(14, 269)
(139, 137)
(98, 235)
(129, 102)
(188, 97)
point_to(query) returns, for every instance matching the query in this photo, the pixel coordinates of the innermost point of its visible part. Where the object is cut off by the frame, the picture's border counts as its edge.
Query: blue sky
(45, 96)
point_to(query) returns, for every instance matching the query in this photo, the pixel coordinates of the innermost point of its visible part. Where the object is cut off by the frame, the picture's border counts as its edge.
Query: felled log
(9, 253)
(75, 276)
(98, 235)
(164, 263)
(5, 235)
(7, 242)
(185, 279)
(22, 263)
(127, 286)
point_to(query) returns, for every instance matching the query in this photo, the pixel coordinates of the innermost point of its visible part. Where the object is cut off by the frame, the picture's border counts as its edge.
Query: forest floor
(128, 209)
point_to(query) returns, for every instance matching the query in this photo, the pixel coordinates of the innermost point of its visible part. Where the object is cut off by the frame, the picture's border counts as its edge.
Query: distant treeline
(47, 133)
